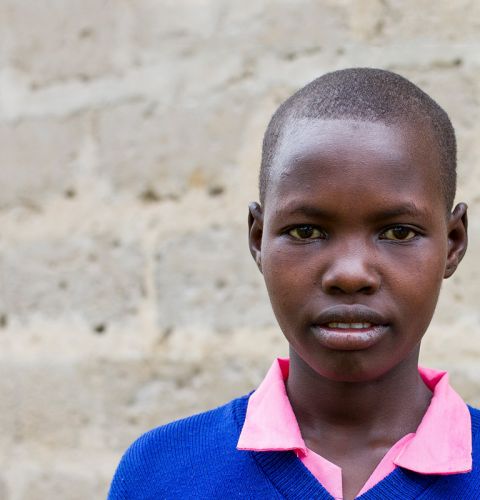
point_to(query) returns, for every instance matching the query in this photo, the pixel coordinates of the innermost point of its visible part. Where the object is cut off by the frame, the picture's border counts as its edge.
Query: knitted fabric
(196, 458)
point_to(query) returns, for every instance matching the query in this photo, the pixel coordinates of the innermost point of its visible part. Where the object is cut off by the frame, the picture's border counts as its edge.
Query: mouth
(350, 328)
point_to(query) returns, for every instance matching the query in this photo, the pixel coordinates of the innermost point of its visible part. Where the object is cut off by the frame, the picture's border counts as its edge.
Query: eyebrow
(308, 210)
(407, 208)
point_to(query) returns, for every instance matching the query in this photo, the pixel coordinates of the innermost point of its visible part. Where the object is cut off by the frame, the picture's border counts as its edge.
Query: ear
(255, 232)
(457, 238)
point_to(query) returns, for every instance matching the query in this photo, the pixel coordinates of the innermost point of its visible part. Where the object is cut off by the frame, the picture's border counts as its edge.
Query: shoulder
(475, 416)
(197, 430)
(465, 485)
(168, 455)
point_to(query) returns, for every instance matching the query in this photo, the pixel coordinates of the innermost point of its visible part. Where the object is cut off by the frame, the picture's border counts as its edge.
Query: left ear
(457, 238)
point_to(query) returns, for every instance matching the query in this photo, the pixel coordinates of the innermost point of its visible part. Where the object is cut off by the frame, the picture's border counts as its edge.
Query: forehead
(355, 158)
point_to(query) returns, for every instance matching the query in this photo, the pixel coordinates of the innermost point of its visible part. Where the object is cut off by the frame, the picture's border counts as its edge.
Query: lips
(349, 328)
(353, 315)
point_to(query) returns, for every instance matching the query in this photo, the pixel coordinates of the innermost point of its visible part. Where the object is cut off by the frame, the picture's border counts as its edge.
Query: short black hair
(365, 94)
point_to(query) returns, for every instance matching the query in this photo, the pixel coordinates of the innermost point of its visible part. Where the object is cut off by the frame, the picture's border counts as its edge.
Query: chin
(347, 367)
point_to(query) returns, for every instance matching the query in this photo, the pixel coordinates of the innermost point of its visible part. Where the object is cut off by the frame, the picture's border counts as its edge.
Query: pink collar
(442, 443)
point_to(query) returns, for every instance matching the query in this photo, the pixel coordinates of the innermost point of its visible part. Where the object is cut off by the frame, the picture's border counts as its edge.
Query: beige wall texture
(130, 135)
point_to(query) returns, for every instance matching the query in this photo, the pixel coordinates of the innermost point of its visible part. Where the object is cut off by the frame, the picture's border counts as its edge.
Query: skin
(354, 229)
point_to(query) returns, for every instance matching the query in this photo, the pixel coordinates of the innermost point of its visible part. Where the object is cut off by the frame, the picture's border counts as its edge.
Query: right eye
(307, 232)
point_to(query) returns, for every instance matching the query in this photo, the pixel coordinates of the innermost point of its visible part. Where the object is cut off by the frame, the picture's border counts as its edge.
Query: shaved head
(371, 95)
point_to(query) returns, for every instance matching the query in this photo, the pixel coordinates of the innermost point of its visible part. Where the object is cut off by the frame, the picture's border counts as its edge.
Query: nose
(351, 271)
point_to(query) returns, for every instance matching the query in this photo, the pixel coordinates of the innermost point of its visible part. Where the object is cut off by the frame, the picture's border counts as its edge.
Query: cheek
(416, 285)
(430, 267)
(281, 280)
(286, 263)
(288, 278)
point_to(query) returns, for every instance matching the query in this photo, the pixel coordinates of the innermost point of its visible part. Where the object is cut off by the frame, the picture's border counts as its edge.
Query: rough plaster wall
(130, 136)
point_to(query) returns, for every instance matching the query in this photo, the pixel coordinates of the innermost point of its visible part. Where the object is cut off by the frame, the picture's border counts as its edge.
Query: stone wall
(130, 135)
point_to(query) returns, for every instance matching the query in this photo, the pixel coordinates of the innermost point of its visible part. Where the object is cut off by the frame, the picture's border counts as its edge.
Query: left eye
(306, 232)
(398, 233)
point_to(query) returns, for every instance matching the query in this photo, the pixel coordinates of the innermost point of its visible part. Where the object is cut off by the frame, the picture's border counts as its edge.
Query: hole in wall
(70, 193)
(149, 196)
(3, 321)
(216, 190)
(100, 328)
(86, 33)
(220, 283)
(62, 284)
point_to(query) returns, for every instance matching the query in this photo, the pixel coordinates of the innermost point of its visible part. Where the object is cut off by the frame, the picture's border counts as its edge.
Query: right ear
(255, 232)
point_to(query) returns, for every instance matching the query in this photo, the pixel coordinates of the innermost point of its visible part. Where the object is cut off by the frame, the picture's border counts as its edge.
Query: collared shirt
(442, 443)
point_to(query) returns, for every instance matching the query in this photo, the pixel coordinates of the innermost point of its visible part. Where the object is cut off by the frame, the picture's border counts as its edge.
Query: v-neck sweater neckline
(294, 481)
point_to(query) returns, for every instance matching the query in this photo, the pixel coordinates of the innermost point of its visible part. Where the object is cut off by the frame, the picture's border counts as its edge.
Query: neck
(392, 405)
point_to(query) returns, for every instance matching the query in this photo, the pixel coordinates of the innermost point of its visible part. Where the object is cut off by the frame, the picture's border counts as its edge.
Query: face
(354, 241)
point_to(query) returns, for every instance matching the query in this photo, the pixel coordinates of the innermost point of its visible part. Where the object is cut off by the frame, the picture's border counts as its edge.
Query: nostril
(367, 290)
(349, 283)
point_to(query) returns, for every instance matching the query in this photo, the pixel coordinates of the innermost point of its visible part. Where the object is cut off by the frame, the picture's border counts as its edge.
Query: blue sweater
(196, 458)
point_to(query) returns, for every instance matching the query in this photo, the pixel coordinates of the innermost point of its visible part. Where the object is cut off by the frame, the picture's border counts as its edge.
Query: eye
(307, 232)
(398, 233)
